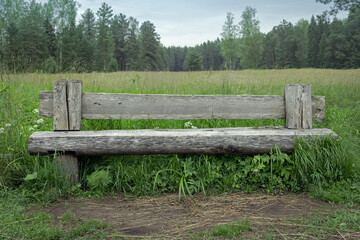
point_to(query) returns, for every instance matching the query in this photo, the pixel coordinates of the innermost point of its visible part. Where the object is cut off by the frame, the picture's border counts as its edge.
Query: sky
(192, 22)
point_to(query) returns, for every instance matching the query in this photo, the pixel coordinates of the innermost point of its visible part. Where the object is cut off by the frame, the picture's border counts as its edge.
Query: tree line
(46, 37)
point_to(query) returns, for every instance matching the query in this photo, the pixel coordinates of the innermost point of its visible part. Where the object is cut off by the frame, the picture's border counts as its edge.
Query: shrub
(50, 65)
(99, 180)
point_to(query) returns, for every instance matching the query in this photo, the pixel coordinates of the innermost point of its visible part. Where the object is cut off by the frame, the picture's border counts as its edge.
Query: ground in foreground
(235, 215)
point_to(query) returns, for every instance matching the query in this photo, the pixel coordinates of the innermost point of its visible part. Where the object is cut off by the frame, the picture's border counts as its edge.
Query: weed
(225, 231)
(182, 183)
(16, 223)
(68, 218)
(322, 165)
(321, 161)
(231, 230)
(329, 169)
(99, 180)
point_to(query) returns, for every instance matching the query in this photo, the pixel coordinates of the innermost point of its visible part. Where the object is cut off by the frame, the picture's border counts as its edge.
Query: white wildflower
(35, 126)
(1, 130)
(40, 121)
(31, 129)
(35, 111)
(188, 125)
(193, 127)
(8, 125)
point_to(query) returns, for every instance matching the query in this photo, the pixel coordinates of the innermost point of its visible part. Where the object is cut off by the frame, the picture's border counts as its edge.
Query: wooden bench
(67, 105)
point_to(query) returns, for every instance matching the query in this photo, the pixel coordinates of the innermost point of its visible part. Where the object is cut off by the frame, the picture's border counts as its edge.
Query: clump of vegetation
(231, 230)
(18, 223)
(320, 167)
(327, 169)
(99, 180)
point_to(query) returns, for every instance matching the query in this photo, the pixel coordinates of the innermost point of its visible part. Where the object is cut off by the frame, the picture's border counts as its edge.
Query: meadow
(328, 170)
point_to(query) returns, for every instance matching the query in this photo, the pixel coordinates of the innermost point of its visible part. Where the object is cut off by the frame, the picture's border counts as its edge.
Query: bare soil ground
(162, 217)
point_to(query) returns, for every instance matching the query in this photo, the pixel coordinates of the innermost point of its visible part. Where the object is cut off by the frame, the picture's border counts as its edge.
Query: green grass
(318, 166)
(329, 170)
(231, 230)
(224, 231)
(342, 223)
(19, 222)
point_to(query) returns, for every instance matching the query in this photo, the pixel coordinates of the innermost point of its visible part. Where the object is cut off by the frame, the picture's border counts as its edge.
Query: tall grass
(318, 165)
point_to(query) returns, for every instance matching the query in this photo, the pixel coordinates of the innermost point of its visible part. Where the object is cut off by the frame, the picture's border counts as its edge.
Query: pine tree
(87, 40)
(63, 16)
(337, 47)
(301, 41)
(88, 24)
(132, 47)
(353, 31)
(269, 44)
(12, 50)
(69, 49)
(322, 51)
(50, 38)
(11, 13)
(313, 49)
(120, 32)
(33, 37)
(341, 5)
(193, 61)
(149, 47)
(104, 45)
(85, 51)
(207, 53)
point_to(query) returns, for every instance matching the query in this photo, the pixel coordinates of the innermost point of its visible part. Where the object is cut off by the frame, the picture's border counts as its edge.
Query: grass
(327, 162)
(225, 231)
(17, 223)
(343, 223)
(328, 170)
(231, 230)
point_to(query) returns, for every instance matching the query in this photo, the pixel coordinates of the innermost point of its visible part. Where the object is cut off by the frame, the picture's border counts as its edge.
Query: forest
(48, 37)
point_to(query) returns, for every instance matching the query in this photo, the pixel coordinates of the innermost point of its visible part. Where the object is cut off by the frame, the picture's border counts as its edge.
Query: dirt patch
(163, 217)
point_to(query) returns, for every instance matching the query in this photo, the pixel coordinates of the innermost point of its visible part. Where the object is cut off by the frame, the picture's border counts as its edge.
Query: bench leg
(69, 165)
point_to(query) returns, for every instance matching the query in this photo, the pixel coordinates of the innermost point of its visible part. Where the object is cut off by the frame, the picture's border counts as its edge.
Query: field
(328, 170)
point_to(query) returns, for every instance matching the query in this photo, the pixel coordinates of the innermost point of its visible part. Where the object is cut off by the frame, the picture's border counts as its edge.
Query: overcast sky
(191, 22)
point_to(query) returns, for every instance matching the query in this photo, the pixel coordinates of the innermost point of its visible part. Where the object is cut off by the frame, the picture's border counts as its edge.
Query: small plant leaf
(31, 176)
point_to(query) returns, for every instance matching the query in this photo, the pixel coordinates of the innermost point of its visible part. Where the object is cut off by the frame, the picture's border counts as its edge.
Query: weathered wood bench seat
(167, 141)
(67, 105)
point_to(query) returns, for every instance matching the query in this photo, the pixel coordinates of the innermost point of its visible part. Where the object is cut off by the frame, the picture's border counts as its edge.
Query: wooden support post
(69, 164)
(61, 113)
(298, 106)
(74, 104)
(67, 117)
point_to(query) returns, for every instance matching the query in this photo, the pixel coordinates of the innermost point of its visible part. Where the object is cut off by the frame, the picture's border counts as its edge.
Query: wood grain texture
(318, 108)
(298, 106)
(67, 104)
(60, 105)
(46, 104)
(69, 165)
(135, 106)
(74, 104)
(170, 141)
(306, 117)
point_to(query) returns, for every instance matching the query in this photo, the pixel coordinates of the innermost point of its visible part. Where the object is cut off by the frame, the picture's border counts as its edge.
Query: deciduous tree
(229, 41)
(251, 39)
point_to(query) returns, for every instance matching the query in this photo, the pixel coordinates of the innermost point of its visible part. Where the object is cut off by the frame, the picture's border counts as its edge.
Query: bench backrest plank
(161, 106)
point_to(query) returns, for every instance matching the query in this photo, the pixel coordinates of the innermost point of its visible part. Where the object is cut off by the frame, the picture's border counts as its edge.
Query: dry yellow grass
(324, 81)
